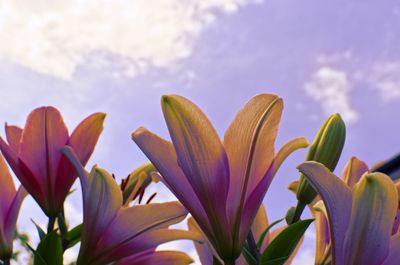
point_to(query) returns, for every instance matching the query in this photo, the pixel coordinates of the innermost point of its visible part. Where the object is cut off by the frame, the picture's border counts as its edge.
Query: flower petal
(7, 188)
(249, 143)
(102, 199)
(259, 225)
(353, 171)
(394, 254)
(204, 250)
(159, 257)
(12, 214)
(337, 199)
(85, 136)
(13, 134)
(83, 141)
(374, 208)
(162, 154)
(256, 196)
(23, 173)
(149, 240)
(42, 138)
(134, 221)
(200, 154)
(322, 230)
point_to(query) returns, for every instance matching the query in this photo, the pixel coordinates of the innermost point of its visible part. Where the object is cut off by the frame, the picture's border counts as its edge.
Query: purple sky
(320, 56)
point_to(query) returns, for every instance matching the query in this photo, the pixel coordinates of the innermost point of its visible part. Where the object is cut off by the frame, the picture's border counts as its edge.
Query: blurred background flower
(119, 56)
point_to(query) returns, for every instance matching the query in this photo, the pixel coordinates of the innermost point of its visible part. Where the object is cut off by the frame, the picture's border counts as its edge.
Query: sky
(120, 56)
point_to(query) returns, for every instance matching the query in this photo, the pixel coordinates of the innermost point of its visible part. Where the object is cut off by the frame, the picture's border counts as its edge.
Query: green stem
(50, 225)
(298, 212)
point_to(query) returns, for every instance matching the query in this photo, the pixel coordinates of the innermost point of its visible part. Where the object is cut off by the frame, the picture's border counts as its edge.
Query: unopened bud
(325, 149)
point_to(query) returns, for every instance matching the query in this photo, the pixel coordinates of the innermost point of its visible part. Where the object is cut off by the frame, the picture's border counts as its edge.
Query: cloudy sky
(120, 56)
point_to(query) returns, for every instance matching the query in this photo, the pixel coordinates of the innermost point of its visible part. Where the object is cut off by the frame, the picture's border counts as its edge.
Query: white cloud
(385, 77)
(304, 257)
(331, 87)
(54, 37)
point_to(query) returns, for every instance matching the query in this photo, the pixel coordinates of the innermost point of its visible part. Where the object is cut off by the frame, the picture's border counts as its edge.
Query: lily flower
(352, 173)
(222, 184)
(205, 250)
(125, 235)
(34, 155)
(360, 218)
(10, 203)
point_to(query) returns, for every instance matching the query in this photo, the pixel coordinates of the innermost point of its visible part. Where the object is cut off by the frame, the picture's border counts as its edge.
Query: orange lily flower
(222, 184)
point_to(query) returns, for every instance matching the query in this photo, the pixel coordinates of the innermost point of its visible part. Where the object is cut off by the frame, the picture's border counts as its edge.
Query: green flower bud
(326, 149)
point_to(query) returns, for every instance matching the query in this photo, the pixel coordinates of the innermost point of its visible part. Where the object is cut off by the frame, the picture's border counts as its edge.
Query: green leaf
(277, 261)
(262, 236)
(41, 232)
(74, 236)
(280, 249)
(49, 250)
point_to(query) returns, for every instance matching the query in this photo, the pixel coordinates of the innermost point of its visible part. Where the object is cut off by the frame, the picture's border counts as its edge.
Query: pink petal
(42, 138)
(133, 221)
(353, 171)
(147, 241)
(13, 134)
(394, 254)
(159, 257)
(374, 208)
(337, 199)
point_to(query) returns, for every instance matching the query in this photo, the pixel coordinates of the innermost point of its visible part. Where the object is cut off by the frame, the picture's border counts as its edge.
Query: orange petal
(201, 156)
(353, 171)
(162, 154)
(249, 143)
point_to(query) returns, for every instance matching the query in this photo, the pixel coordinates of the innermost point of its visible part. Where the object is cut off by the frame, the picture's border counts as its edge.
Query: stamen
(141, 195)
(151, 197)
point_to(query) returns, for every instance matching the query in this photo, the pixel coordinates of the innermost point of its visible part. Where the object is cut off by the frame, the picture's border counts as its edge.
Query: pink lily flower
(34, 155)
(222, 184)
(113, 232)
(10, 203)
(360, 218)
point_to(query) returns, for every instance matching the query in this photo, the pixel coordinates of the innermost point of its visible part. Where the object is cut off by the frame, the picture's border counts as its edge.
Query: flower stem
(299, 210)
(50, 225)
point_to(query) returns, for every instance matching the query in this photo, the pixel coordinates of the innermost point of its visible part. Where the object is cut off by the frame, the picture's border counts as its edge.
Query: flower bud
(326, 149)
